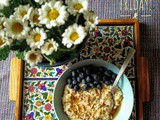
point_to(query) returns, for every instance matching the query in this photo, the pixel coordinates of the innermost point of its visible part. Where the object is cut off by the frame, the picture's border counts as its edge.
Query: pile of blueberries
(91, 76)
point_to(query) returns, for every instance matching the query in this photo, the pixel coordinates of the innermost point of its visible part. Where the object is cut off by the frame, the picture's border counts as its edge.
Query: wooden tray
(143, 87)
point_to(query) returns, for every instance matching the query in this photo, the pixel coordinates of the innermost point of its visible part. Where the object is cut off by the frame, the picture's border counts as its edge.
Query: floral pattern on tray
(43, 72)
(38, 100)
(109, 43)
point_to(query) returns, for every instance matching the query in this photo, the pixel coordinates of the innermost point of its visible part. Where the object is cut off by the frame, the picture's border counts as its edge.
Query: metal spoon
(124, 66)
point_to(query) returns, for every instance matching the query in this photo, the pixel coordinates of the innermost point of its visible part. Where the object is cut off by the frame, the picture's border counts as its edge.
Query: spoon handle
(124, 66)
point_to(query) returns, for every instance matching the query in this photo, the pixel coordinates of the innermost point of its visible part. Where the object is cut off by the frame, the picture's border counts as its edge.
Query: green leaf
(51, 90)
(19, 54)
(50, 68)
(45, 82)
(45, 95)
(37, 98)
(37, 114)
(50, 74)
(4, 52)
(38, 74)
(33, 83)
(32, 107)
(46, 113)
(45, 74)
(20, 45)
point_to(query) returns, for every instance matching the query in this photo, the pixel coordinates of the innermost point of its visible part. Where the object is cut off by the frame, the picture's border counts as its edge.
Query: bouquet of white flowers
(39, 30)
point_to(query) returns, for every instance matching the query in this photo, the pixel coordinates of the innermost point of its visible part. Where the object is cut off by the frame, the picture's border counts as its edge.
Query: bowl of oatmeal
(83, 92)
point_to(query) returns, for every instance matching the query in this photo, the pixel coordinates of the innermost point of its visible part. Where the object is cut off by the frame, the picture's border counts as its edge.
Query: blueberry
(88, 71)
(112, 81)
(69, 81)
(84, 69)
(110, 72)
(104, 78)
(86, 87)
(101, 69)
(76, 87)
(81, 75)
(84, 81)
(74, 79)
(114, 76)
(101, 81)
(91, 85)
(79, 70)
(71, 86)
(95, 82)
(107, 73)
(99, 86)
(88, 79)
(95, 77)
(107, 82)
(78, 79)
(74, 74)
(74, 82)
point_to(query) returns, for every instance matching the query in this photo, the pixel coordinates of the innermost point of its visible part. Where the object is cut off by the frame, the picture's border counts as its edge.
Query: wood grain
(15, 89)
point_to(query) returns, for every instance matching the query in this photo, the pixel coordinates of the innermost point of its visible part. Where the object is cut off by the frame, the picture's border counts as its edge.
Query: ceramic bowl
(128, 98)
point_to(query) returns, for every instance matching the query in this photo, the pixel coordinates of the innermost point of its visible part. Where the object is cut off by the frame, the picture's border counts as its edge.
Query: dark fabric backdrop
(148, 12)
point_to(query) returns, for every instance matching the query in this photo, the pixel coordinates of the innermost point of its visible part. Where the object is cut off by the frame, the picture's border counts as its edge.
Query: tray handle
(145, 79)
(15, 87)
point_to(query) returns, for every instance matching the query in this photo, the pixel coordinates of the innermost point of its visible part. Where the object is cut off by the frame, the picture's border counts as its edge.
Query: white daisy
(23, 12)
(16, 29)
(40, 1)
(34, 18)
(33, 57)
(74, 34)
(53, 14)
(77, 6)
(4, 3)
(36, 38)
(49, 47)
(2, 20)
(91, 20)
(4, 41)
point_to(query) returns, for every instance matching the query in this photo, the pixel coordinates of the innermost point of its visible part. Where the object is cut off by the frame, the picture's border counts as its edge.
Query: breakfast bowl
(125, 109)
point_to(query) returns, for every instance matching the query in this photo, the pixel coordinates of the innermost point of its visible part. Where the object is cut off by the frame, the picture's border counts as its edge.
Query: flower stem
(59, 30)
(50, 61)
(77, 18)
(30, 2)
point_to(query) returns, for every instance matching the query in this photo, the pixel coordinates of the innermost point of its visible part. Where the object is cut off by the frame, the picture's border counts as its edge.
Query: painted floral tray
(110, 42)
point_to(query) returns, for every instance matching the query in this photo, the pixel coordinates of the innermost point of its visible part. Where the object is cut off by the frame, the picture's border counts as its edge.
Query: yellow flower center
(53, 14)
(35, 18)
(17, 27)
(32, 57)
(78, 6)
(50, 46)
(50, 97)
(23, 13)
(2, 25)
(47, 117)
(37, 38)
(92, 21)
(1, 42)
(74, 36)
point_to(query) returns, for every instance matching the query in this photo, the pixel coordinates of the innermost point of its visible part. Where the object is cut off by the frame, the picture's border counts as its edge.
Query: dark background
(149, 16)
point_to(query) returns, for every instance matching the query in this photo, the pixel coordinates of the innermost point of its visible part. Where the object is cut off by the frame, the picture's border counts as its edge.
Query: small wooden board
(15, 87)
(142, 73)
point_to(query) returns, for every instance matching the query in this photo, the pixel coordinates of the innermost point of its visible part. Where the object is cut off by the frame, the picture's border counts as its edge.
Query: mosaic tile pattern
(38, 100)
(109, 43)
